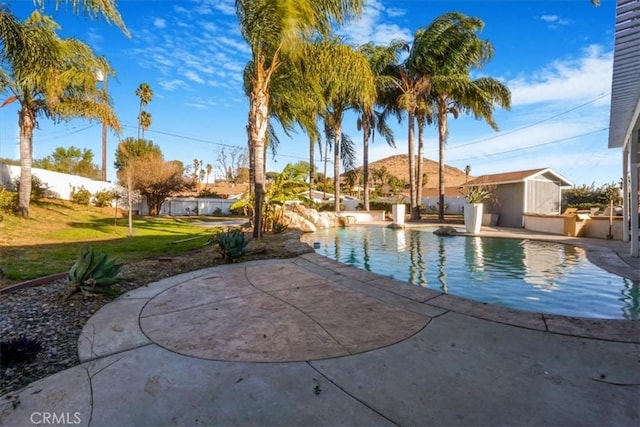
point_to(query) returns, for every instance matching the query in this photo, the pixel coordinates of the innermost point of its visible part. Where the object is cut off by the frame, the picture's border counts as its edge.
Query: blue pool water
(529, 275)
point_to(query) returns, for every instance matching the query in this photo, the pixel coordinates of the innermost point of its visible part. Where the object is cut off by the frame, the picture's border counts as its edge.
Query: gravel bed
(42, 312)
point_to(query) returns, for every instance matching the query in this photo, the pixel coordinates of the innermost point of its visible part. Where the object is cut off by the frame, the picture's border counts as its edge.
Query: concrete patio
(309, 341)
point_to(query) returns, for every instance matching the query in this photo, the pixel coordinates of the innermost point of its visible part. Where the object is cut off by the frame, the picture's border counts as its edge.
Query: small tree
(72, 160)
(156, 180)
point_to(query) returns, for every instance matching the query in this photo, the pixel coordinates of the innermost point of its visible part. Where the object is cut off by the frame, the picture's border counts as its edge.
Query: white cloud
(395, 12)
(171, 85)
(371, 26)
(583, 78)
(159, 23)
(554, 20)
(226, 7)
(193, 76)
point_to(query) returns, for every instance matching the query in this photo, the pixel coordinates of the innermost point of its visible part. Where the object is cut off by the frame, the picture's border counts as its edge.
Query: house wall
(60, 184)
(511, 200)
(543, 196)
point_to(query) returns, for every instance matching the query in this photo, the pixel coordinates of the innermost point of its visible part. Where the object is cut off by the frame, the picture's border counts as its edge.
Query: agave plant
(93, 272)
(232, 244)
(19, 350)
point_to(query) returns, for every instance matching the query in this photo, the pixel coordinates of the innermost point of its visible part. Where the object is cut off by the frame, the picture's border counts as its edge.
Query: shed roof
(625, 83)
(520, 176)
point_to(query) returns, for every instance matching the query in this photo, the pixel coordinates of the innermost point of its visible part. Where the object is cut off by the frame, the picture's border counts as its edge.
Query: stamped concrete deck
(309, 341)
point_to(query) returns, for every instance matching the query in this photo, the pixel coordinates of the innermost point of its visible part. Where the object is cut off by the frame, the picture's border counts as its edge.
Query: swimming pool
(530, 275)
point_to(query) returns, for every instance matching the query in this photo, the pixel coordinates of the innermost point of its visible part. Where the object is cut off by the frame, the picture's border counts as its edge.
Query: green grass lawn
(49, 241)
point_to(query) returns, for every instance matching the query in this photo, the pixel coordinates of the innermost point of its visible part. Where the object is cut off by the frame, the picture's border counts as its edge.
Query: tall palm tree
(424, 116)
(341, 76)
(380, 58)
(410, 90)
(275, 31)
(50, 77)
(209, 169)
(444, 54)
(145, 93)
(144, 121)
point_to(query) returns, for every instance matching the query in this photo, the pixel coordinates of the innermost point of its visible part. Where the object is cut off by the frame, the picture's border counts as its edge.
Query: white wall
(60, 184)
(177, 206)
(454, 204)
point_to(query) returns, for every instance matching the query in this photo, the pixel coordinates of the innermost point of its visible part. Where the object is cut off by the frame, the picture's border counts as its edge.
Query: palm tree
(106, 8)
(275, 31)
(444, 54)
(380, 58)
(144, 121)
(423, 117)
(145, 93)
(410, 90)
(50, 77)
(341, 77)
(209, 168)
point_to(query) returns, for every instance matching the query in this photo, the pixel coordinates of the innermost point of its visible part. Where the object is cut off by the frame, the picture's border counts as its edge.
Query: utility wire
(212, 142)
(533, 146)
(530, 125)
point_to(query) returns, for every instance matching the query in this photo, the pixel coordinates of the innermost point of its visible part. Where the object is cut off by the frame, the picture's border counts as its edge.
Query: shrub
(39, 189)
(381, 205)
(81, 195)
(93, 272)
(205, 192)
(19, 350)
(232, 244)
(8, 200)
(104, 198)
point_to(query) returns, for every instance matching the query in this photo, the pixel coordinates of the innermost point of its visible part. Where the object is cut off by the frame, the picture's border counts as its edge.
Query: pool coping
(602, 255)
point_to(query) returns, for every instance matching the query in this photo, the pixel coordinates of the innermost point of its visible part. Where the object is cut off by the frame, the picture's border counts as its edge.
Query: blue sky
(555, 56)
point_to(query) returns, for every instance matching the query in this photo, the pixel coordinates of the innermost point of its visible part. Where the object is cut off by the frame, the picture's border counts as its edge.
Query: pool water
(530, 275)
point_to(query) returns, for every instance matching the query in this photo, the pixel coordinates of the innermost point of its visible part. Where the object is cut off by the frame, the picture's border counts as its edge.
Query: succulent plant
(232, 244)
(19, 350)
(93, 272)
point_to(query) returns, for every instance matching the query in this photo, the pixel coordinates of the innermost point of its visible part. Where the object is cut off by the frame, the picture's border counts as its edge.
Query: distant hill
(398, 165)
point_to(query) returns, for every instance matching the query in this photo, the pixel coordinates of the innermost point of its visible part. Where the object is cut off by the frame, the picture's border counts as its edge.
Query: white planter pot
(473, 217)
(398, 213)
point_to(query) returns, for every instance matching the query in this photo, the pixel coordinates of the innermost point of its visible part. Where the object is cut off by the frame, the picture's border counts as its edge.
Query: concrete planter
(473, 217)
(398, 212)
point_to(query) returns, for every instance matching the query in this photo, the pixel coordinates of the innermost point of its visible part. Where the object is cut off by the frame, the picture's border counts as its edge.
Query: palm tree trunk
(420, 164)
(412, 166)
(442, 141)
(139, 114)
(257, 129)
(26, 122)
(130, 200)
(337, 135)
(324, 178)
(366, 131)
(311, 163)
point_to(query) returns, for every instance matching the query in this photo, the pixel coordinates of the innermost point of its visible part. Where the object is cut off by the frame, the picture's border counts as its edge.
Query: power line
(533, 146)
(211, 142)
(190, 138)
(530, 125)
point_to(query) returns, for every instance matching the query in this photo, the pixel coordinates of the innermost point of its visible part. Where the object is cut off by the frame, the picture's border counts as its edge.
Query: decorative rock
(396, 226)
(446, 231)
